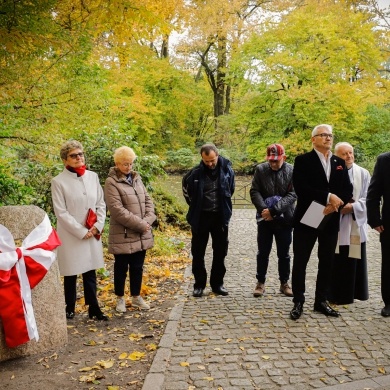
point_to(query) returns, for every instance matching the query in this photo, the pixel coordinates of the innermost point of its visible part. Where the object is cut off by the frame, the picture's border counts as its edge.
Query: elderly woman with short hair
(74, 191)
(131, 216)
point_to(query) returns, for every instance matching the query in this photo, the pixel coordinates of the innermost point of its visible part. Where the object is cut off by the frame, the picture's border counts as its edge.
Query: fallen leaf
(208, 378)
(85, 369)
(90, 343)
(151, 347)
(184, 364)
(113, 387)
(136, 337)
(136, 355)
(106, 363)
(87, 378)
(381, 370)
(265, 357)
(123, 355)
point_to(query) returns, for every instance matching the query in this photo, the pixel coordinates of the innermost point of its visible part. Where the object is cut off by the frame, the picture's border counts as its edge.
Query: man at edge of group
(207, 189)
(273, 195)
(322, 177)
(379, 219)
(349, 275)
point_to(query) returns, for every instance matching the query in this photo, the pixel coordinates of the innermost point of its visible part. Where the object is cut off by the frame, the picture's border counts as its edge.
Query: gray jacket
(131, 209)
(266, 183)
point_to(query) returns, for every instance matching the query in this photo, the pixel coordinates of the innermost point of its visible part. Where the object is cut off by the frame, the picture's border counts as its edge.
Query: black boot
(95, 312)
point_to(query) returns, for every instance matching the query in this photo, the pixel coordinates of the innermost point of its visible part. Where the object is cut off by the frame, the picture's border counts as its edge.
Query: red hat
(275, 152)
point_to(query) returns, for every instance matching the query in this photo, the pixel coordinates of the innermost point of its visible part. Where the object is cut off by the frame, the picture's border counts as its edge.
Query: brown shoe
(259, 290)
(286, 289)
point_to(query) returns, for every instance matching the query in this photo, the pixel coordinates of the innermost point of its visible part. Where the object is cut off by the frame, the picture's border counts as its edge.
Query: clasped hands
(266, 215)
(334, 204)
(92, 232)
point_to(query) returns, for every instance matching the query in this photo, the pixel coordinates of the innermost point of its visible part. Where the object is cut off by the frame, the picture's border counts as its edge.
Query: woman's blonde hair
(124, 153)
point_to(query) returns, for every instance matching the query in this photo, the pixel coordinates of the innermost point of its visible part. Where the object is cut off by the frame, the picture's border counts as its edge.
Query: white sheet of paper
(314, 215)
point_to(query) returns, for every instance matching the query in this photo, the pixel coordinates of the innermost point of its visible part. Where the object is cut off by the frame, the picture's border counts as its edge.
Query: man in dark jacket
(378, 215)
(320, 179)
(207, 189)
(273, 195)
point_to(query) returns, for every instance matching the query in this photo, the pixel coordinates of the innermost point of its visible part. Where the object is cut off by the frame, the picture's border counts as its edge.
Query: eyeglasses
(324, 135)
(75, 155)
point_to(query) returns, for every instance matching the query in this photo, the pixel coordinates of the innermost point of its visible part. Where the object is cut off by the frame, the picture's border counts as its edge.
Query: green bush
(179, 160)
(12, 192)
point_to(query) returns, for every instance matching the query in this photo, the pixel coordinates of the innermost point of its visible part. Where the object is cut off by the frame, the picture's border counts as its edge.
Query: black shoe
(220, 290)
(94, 312)
(69, 315)
(386, 311)
(324, 308)
(198, 292)
(297, 311)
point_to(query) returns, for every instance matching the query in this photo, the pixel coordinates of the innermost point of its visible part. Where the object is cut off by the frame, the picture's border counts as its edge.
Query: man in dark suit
(322, 177)
(379, 219)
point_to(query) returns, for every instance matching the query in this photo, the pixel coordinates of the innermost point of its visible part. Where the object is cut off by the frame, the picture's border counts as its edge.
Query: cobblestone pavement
(242, 342)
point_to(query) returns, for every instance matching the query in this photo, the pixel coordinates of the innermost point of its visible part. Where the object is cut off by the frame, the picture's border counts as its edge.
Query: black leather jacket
(266, 183)
(193, 184)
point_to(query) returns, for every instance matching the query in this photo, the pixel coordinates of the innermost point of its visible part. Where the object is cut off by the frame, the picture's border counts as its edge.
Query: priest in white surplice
(349, 275)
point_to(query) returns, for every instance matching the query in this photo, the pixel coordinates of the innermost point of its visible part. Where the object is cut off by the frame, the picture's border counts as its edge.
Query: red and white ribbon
(21, 269)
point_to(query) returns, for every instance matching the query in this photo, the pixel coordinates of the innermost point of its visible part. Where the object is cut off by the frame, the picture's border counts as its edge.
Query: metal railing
(241, 197)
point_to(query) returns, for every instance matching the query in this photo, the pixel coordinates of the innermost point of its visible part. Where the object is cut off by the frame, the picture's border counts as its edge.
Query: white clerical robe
(353, 227)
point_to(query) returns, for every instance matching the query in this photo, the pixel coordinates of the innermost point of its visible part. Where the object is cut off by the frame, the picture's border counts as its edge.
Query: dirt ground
(113, 355)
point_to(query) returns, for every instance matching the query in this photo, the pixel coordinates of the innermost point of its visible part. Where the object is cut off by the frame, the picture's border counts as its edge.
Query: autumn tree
(214, 30)
(320, 63)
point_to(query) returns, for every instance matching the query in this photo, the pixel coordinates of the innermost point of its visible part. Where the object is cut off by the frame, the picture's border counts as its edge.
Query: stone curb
(154, 380)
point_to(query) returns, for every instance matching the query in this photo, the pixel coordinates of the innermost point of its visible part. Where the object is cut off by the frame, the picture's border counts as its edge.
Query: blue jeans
(283, 237)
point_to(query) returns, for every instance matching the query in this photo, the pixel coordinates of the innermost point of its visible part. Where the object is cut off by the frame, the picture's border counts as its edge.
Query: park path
(242, 342)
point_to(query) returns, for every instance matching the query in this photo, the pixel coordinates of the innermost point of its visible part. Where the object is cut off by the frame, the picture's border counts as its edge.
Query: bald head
(344, 150)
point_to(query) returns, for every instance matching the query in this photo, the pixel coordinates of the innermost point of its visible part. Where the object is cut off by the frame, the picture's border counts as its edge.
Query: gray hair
(68, 146)
(340, 144)
(207, 148)
(318, 127)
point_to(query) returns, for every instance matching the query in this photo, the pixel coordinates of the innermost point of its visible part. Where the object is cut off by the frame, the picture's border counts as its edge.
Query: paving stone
(250, 343)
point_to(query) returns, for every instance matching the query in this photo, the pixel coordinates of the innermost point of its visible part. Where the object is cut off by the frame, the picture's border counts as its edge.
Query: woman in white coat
(74, 191)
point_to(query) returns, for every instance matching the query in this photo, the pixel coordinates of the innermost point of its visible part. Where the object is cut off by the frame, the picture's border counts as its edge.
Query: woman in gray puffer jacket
(131, 216)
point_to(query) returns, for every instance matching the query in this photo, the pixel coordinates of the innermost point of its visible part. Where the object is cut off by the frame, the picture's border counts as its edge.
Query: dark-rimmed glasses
(324, 135)
(75, 155)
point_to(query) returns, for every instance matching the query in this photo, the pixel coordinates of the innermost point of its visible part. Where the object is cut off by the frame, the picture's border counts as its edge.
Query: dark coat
(193, 185)
(266, 183)
(379, 190)
(310, 183)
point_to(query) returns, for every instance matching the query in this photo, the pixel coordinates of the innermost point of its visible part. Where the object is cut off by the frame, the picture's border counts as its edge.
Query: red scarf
(80, 171)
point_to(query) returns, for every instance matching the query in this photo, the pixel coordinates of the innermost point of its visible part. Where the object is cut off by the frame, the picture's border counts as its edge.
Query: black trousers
(210, 224)
(385, 272)
(304, 239)
(89, 284)
(134, 263)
